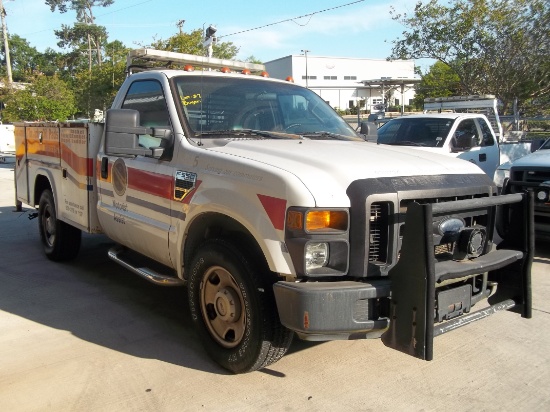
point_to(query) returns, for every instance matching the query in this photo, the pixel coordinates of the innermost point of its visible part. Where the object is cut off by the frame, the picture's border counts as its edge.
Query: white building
(348, 82)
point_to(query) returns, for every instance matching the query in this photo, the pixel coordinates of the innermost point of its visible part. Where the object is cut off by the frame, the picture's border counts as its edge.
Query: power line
(295, 18)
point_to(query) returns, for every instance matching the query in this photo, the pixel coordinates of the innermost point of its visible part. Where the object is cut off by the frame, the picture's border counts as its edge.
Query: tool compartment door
(21, 170)
(77, 169)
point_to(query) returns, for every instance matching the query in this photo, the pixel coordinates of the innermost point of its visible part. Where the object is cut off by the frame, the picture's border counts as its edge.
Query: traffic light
(209, 33)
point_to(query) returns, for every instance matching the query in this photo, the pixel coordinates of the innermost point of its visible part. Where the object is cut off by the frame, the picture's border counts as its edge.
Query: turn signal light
(326, 220)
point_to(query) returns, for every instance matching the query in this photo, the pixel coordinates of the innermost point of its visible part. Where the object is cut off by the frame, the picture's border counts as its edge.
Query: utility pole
(307, 77)
(6, 44)
(180, 25)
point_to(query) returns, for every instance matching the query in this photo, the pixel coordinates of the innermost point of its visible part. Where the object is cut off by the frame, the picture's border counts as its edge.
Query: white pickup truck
(468, 136)
(275, 214)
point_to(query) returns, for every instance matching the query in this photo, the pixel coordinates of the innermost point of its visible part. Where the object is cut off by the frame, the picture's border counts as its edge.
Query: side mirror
(122, 132)
(369, 131)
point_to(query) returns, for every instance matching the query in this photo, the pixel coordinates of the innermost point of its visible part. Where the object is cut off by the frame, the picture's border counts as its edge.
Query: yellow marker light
(326, 220)
(294, 220)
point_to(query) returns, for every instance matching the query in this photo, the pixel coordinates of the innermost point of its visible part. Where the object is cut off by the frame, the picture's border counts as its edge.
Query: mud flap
(413, 279)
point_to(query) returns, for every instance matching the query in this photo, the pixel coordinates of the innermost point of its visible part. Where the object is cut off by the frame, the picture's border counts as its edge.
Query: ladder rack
(182, 59)
(486, 104)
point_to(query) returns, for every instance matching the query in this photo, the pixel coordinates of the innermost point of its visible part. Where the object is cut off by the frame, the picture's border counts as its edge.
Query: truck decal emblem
(275, 209)
(120, 177)
(184, 183)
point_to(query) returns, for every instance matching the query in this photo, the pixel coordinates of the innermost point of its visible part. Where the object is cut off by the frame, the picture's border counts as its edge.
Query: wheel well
(218, 226)
(42, 183)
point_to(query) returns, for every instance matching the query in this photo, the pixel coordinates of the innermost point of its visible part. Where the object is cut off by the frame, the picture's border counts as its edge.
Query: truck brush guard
(414, 297)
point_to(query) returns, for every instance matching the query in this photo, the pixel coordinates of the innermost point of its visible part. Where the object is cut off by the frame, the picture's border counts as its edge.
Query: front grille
(379, 230)
(531, 176)
(383, 226)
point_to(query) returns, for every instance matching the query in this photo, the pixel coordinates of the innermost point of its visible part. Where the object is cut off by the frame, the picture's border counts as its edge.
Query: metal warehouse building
(349, 82)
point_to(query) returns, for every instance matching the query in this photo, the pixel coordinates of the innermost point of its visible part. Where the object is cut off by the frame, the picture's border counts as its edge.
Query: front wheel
(233, 307)
(60, 240)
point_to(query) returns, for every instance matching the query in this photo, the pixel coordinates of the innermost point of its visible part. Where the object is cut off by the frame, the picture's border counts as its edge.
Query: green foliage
(543, 125)
(496, 47)
(90, 71)
(191, 43)
(97, 90)
(439, 81)
(46, 98)
(253, 59)
(23, 58)
(85, 34)
(80, 6)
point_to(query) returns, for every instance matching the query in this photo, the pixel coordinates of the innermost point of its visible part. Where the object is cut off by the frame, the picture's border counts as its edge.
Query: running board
(146, 273)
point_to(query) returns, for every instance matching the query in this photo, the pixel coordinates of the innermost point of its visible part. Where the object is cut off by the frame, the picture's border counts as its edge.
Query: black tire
(60, 240)
(233, 308)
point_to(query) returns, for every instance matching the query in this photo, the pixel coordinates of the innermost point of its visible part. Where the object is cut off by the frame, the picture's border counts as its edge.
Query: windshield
(545, 145)
(237, 105)
(426, 132)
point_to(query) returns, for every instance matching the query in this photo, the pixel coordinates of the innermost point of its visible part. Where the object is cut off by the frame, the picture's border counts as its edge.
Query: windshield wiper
(404, 143)
(249, 132)
(330, 135)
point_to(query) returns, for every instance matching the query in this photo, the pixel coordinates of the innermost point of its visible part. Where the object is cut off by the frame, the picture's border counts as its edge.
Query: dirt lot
(89, 335)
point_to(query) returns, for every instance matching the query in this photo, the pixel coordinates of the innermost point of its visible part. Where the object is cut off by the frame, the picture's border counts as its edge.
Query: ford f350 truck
(278, 218)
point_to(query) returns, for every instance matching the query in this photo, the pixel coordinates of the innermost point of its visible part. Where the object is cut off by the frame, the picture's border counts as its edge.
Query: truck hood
(538, 158)
(334, 165)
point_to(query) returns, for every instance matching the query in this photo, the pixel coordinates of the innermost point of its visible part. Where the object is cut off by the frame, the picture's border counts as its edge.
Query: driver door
(134, 193)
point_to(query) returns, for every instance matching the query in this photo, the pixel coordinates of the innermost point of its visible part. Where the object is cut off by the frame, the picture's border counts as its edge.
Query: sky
(339, 28)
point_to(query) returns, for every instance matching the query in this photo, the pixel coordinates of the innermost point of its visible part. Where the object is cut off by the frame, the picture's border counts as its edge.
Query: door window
(487, 136)
(466, 135)
(148, 99)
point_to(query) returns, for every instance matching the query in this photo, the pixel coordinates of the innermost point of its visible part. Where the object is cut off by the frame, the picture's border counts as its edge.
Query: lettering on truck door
(135, 197)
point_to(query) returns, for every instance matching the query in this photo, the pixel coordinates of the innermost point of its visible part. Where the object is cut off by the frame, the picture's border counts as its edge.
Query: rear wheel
(233, 307)
(60, 240)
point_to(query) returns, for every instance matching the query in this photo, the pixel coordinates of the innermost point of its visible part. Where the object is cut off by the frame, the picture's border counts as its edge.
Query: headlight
(318, 240)
(500, 175)
(542, 195)
(316, 256)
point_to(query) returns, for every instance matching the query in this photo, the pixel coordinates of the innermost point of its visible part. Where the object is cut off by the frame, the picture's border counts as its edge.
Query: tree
(253, 59)
(23, 58)
(439, 81)
(52, 62)
(97, 90)
(46, 98)
(498, 47)
(85, 31)
(191, 43)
